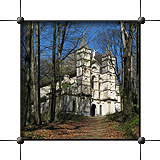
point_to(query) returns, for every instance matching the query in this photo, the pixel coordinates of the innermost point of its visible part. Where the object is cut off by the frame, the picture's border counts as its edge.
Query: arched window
(110, 76)
(100, 83)
(92, 82)
(94, 69)
(74, 106)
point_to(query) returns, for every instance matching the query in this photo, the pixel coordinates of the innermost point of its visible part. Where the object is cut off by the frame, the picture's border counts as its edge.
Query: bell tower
(83, 57)
(83, 67)
(108, 71)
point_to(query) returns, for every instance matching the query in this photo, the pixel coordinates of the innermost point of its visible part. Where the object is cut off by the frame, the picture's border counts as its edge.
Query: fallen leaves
(89, 128)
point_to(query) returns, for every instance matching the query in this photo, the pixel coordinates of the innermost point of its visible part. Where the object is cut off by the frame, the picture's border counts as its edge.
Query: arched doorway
(100, 110)
(93, 109)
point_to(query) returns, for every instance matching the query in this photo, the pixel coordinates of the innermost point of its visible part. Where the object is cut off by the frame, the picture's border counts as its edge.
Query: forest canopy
(48, 52)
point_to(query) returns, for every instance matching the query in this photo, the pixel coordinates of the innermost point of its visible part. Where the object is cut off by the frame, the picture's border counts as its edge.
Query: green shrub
(68, 116)
(127, 122)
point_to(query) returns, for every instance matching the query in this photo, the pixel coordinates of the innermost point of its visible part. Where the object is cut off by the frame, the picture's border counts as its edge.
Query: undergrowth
(129, 124)
(67, 116)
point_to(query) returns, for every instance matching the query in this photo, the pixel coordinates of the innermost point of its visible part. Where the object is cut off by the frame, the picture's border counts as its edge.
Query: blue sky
(46, 35)
(94, 28)
(91, 29)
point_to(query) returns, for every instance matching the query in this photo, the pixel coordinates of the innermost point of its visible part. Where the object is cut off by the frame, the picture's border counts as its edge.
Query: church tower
(83, 74)
(108, 71)
(94, 90)
(108, 84)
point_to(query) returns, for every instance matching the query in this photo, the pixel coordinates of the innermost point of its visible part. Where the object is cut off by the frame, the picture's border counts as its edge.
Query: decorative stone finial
(94, 53)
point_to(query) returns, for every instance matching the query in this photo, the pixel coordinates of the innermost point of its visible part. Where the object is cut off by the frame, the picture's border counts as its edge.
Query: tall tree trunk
(132, 83)
(53, 83)
(137, 62)
(57, 107)
(122, 80)
(127, 49)
(32, 61)
(126, 87)
(125, 97)
(59, 63)
(37, 76)
(33, 70)
(27, 73)
(60, 47)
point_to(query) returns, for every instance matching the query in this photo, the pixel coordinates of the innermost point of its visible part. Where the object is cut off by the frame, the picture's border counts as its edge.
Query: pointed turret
(83, 43)
(108, 51)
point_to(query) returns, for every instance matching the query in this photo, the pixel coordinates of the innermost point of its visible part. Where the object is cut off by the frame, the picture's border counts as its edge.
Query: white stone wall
(118, 107)
(44, 91)
(107, 88)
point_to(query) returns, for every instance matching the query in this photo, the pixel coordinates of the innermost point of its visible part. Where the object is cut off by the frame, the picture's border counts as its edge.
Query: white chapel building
(94, 91)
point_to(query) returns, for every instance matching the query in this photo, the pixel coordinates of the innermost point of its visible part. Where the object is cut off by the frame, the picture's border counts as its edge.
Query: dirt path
(97, 129)
(89, 128)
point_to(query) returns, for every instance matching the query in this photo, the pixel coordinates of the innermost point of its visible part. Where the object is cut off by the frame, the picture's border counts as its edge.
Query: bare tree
(53, 81)
(37, 76)
(27, 74)
(34, 74)
(121, 36)
(127, 49)
(66, 38)
(137, 26)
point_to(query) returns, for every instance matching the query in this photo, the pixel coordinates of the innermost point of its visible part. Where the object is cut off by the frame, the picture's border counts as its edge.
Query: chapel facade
(94, 91)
